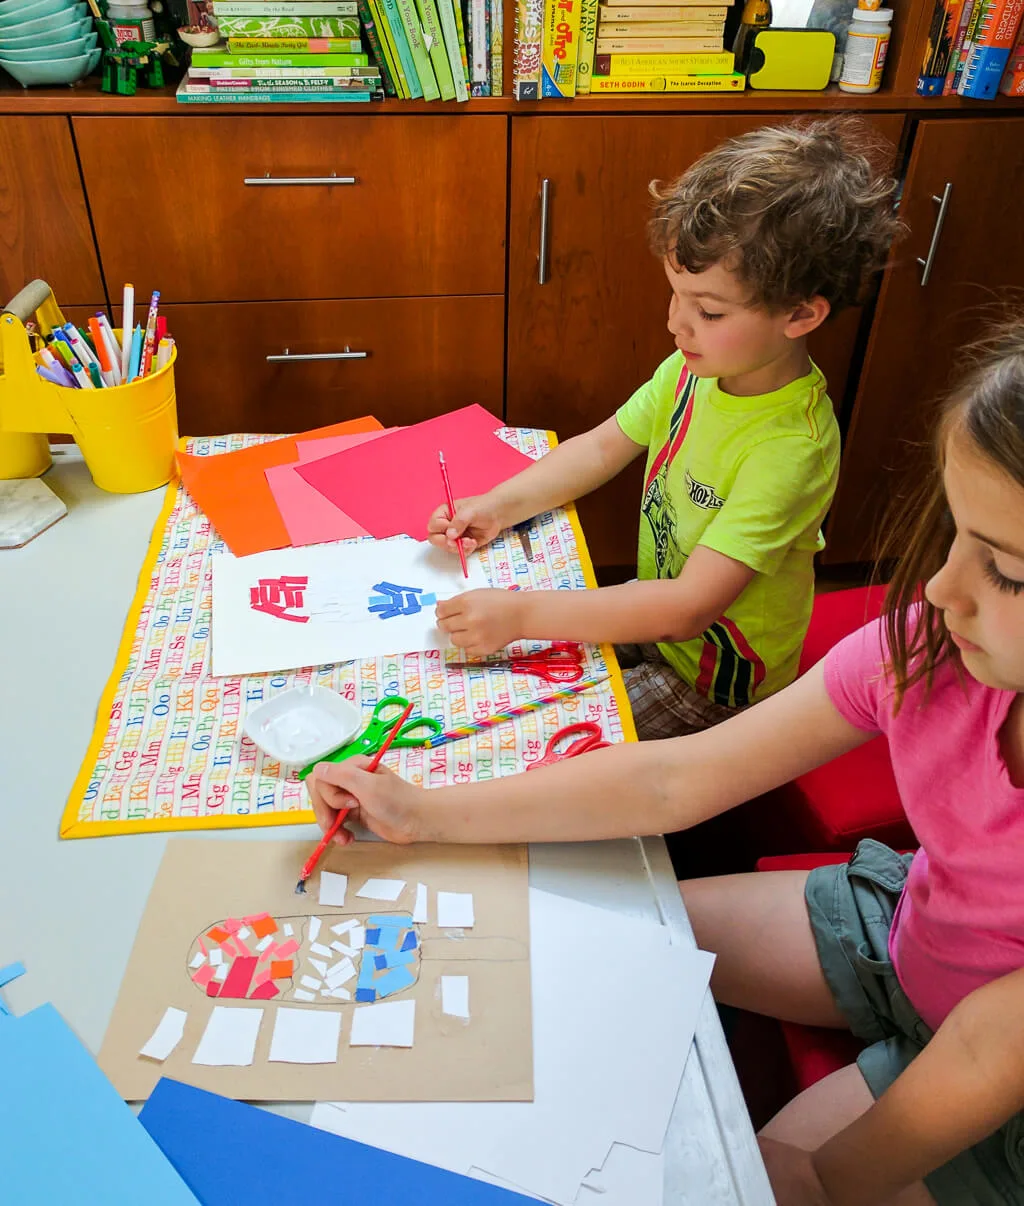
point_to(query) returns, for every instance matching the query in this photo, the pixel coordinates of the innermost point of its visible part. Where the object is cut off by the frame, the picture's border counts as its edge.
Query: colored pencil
(531, 705)
(451, 510)
(322, 845)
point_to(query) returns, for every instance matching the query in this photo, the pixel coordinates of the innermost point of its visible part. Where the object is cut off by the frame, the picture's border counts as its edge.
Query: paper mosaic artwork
(168, 753)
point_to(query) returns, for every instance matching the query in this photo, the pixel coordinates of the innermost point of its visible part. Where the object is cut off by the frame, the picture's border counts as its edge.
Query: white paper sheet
(167, 1035)
(310, 982)
(221, 974)
(382, 889)
(333, 888)
(289, 929)
(340, 973)
(197, 960)
(629, 1178)
(230, 1036)
(389, 1024)
(420, 910)
(244, 932)
(264, 942)
(342, 949)
(314, 928)
(589, 1092)
(305, 1036)
(339, 994)
(312, 606)
(300, 994)
(216, 957)
(455, 910)
(357, 939)
(455, 996)
(319, 965)
(343, 927)
(318, 948)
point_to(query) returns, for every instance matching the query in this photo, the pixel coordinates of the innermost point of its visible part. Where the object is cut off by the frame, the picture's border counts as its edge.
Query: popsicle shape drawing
(306, 959)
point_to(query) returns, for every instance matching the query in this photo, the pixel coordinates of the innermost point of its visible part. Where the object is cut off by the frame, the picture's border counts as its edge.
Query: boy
(761, 239)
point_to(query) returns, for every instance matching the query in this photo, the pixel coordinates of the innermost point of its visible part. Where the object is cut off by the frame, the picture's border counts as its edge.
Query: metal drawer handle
(347, 354)
(542, 258)
(940, 218)
(333, 178)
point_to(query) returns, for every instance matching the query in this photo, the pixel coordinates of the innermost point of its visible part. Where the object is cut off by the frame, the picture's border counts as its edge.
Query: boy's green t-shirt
(751, 478)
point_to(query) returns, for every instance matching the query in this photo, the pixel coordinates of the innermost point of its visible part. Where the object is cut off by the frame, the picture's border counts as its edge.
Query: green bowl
(44, 24)
(51, 53)
(57, 71)
(53, 37)
(30, 12)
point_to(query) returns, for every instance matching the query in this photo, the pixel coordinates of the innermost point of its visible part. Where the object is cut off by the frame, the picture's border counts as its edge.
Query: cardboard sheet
(203, 883)
(232, 489)
(392, 485)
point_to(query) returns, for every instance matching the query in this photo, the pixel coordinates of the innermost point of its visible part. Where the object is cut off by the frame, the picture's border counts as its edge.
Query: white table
(69, 910)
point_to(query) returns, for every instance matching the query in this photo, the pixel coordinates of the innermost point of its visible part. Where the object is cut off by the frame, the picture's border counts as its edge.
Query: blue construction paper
(372, 937)
(398, 958)
(366, 995)
(393, 921)
(11, 972)
(380, 961)
(393, 981)
(410, 943)
(66, 1137)
(182, 1120)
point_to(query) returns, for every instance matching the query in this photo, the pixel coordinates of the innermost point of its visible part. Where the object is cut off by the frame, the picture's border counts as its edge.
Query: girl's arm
(964, 1085)
(634, 788)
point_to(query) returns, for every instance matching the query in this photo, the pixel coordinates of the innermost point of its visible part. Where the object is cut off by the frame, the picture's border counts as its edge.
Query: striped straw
(531, 705)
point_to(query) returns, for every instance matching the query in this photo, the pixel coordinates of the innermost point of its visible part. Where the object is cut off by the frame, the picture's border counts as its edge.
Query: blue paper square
(366, 994)
(372, 937)
(410, 942)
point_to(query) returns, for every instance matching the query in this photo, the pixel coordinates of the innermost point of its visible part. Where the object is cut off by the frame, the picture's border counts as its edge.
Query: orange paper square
(263, 927)
(281, 969)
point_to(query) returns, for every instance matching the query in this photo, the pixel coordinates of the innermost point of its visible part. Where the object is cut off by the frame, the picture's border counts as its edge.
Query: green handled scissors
(414, 733)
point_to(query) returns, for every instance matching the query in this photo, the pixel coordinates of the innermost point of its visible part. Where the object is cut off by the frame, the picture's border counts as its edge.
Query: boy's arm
(964, 1085)
(635, 788)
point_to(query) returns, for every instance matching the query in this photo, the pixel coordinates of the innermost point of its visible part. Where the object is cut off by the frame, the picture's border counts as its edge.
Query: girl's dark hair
(986, 404)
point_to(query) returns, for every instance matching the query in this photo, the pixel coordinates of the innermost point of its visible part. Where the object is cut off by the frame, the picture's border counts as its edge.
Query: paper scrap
(320, 966)
(314, 928)
(318, 948)
(216, 958)
(342, 949)
(286, 949)
(197, 960)
(221, 974)
(340, 974)
(244, 932)
(339, 994)
(333, 888)
(358, 937)
(455, 910)
(299, 995)
(203, 976)
(289, 929)
(390, 1024)
(455, 996)
(281, 969)
(420, 914)
(230, 1036)
(343, 927)
(309, 982)
(264, 943)
(167, 1035)
(305, 1036)
(382, 889)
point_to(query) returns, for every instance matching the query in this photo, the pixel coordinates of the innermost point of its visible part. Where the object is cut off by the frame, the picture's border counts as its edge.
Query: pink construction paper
(392, 484)
(308, 517)
(314, 450)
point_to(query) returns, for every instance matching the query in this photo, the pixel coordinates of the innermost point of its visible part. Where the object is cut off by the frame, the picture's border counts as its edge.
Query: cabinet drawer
(414, 358)
(184, 220)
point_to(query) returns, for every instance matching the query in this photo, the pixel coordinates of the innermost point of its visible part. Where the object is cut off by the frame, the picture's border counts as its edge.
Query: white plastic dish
(302, 724)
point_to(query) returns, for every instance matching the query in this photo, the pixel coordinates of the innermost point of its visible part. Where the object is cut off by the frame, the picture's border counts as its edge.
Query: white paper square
(455, 910)
(389, 1024)
(167, 1035)
(333, 888)
(230, 1037)
(382, 889)
(455, 996)
(305, 1036)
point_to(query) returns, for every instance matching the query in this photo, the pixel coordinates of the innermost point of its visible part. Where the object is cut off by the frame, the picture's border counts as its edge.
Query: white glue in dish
(302, 724)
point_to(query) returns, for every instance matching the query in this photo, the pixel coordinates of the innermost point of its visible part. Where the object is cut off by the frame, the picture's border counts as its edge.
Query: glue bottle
(131, 22)
(866, 45)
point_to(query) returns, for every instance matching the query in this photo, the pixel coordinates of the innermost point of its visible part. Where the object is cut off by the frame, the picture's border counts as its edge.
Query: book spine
(657, 45)
(397, 28)
(434, 42)
(663, 64)
(497, 47)
(420, 58)
(1012, 83)
(988, 56)
(561, 48)
(297, 45)
(289, 27)
(451, 44)
(387, 43)
(269, 98)
(280, 73)
(734, 82)
(236, 62)
(691, 16)
(659, 29)
(587, 45)
(480, 79)
(527, 49)
(941, 32)
(952, 77)
(285, 8)
(376, 49)
(461, 28)
(198, 88)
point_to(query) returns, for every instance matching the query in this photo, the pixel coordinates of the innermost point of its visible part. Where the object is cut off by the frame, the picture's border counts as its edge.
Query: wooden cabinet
(918, 327)
(423, 211)
(579, 344)
(44, 223)
(413, 358)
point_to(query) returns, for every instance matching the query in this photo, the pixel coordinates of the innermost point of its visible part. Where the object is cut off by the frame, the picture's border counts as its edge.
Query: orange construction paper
(218, 935)
(264, 926)
(281, 969)
(233, 491)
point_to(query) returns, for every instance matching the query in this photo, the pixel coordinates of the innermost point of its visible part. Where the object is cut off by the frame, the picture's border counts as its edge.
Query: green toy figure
(121, 64)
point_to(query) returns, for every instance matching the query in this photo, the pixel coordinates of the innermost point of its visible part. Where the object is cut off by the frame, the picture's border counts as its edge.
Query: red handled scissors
(587, 735)
(562, 662)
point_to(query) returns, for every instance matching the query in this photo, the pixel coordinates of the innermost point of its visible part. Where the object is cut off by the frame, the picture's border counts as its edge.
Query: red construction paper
(232, 489)
(239, 977)
(392, 485)
(264, 992)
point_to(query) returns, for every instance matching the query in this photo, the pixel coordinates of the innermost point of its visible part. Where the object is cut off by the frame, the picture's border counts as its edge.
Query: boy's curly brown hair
(796, 211)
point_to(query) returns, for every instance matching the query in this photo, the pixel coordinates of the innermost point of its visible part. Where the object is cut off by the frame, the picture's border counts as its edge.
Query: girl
(921, 957)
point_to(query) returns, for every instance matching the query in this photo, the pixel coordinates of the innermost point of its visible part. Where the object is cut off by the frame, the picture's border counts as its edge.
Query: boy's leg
(663, 705)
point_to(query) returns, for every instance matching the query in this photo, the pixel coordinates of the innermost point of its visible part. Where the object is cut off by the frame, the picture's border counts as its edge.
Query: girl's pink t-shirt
(960, 919)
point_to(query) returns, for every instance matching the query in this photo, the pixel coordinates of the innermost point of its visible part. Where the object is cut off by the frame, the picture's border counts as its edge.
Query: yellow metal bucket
(127, 433)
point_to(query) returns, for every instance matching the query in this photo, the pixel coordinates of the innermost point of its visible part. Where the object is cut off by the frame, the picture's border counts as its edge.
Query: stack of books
(971, 49)
(283, 50)
(583, 46)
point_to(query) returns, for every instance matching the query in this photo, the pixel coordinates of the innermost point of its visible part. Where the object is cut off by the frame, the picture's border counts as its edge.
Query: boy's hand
(481, 621)
(476, 521)
(382, 802)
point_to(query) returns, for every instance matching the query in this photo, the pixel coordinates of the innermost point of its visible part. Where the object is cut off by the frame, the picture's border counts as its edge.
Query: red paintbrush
(322, 845)
(451, 510)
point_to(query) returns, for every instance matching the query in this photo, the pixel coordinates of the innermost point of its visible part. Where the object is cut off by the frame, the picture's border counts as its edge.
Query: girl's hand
(476, 521)
(481, 621)
(792, 1174)
(382, 802)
